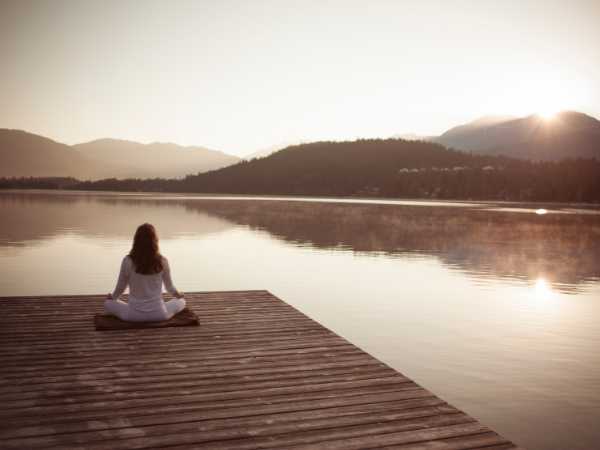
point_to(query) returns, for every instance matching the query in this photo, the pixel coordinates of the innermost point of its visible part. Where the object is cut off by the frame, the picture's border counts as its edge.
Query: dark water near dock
(494, 307)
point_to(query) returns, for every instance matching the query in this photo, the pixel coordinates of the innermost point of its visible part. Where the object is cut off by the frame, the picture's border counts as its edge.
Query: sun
(547, 108)
(540, 90)
(548, 113)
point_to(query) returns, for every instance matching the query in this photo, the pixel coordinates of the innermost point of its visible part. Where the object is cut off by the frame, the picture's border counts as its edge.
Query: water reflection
(485, 243)
(32, 217)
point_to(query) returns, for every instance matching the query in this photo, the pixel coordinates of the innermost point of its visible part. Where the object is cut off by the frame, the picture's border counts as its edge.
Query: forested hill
(384, 168)
(334, 168)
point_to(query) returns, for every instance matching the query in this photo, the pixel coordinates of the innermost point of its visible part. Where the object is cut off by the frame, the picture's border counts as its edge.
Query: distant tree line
(38, 182)
(375, 168)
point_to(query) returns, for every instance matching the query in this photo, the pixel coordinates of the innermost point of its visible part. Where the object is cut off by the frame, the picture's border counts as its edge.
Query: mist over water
(493, 307)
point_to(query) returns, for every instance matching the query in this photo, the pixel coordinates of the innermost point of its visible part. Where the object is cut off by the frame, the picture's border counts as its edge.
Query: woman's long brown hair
(144, 253)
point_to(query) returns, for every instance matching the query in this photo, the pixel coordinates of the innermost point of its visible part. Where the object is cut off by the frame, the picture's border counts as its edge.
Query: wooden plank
(178, 406)
(263, 425)
(236, 345)
(190, 385)
(41, 362)
(182, 376)
(350, 437)
(257, 373)
(397, 400)
(89, 377)
(183, 397)
(166, 389)
(205, 337)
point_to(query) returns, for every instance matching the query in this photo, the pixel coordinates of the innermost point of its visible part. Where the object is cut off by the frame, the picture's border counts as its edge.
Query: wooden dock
(256, 374)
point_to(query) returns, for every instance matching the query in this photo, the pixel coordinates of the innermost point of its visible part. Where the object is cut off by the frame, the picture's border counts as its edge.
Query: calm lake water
(494, 307)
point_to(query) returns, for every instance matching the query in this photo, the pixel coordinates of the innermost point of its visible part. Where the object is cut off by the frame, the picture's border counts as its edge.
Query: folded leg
(174, 306)
(117, 308)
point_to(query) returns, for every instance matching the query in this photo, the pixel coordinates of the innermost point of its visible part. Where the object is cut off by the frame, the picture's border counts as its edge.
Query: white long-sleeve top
(145, 291)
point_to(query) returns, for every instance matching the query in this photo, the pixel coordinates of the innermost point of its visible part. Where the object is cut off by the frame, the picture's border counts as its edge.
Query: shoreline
(407, 201)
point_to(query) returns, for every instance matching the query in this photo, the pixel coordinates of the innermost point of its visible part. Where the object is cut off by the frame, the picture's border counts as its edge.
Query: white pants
(124, 312)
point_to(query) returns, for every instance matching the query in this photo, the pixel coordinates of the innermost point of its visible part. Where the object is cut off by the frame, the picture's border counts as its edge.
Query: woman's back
(145, 282)
(145, 290)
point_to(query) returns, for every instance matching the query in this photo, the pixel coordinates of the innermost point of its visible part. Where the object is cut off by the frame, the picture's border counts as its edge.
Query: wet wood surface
(255, 374)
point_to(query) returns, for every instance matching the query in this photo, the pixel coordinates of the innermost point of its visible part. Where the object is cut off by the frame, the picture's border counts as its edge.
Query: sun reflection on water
(542, 298)
(542, 290)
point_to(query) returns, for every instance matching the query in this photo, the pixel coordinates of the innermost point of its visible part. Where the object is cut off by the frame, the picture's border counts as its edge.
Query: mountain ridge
(156, 159)
(568, 134)
(26, 154)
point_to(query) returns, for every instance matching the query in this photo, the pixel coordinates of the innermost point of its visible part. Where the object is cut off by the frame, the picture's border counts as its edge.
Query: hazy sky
(241, 75)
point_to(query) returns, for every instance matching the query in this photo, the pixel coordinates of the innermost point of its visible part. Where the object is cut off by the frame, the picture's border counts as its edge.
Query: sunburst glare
(548, 114)
(542, 290)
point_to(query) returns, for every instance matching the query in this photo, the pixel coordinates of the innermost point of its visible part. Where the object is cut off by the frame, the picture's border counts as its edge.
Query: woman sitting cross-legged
(144, 270)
